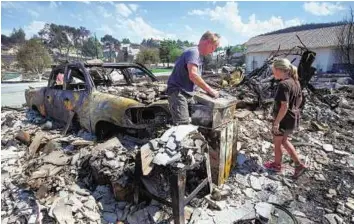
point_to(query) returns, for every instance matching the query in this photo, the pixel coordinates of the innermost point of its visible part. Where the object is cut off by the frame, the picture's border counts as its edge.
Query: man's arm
(196, 79)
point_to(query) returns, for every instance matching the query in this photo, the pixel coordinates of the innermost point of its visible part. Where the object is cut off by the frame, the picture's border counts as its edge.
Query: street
(13, 94)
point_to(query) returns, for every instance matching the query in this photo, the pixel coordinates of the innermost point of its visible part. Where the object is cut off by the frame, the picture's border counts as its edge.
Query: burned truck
(103, 97)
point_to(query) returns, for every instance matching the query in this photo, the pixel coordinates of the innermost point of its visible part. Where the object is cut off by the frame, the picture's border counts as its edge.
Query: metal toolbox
(211, 112)
(222, 151)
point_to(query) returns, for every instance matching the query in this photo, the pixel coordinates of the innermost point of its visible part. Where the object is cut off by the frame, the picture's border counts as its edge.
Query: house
(110, 52)
(323, 40)
(128, 52)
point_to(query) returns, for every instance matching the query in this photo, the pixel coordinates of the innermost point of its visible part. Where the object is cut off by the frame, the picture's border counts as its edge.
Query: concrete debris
(255, 183)
(178, 144)
(350, 203)
(264, 210)
(220, 194)
(219, 205)
(51, 146)
(56, 158)
(320, 177)
(328, 147)
(249, 192)
(113, 143)
(61, 212)
(333, 219)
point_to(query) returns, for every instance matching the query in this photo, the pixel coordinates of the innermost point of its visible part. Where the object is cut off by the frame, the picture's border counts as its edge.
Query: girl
(286, 114)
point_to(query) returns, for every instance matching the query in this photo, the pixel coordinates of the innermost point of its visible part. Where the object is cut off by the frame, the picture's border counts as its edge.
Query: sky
(236, 22)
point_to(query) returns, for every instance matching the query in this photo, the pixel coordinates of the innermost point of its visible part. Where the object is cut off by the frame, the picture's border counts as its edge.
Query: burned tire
(105, 130)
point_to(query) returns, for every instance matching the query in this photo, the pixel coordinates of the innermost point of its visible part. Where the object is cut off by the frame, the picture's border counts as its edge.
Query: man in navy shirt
(186, 75)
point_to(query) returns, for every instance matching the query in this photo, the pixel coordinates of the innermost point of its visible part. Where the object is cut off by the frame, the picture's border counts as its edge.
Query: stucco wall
(325, 58)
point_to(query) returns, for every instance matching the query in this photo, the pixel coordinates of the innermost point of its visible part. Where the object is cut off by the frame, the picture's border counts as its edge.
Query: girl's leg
(300, 168)
(276, 164)
(277, 141)
(291, 150)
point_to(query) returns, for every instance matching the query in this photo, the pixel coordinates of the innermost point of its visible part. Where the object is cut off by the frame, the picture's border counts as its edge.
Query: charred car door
(77, 87)
(52, 92)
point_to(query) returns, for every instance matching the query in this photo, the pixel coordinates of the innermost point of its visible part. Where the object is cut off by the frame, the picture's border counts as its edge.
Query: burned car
(103, 97)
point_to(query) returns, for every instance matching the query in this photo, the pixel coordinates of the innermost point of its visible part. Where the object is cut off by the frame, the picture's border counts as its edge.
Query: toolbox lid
(223, 101)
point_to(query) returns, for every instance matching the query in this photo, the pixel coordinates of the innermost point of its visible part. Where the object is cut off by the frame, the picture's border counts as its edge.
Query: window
(57, 80)
(75, 80)
(137, 74)
(117, 76)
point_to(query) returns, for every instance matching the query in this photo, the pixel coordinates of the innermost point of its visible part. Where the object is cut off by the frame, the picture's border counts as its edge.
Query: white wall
(256, 60)
(325, 58)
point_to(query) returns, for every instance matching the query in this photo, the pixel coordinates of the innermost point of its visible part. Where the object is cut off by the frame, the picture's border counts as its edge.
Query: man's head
(208, 43)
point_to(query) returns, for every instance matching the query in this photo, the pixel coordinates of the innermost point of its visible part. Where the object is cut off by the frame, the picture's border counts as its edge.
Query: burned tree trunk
(345, 38)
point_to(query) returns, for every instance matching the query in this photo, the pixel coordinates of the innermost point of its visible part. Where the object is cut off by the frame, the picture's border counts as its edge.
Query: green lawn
(157, 70)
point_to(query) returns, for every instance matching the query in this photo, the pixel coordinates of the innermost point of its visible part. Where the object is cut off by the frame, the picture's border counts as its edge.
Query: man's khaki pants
(179, 104)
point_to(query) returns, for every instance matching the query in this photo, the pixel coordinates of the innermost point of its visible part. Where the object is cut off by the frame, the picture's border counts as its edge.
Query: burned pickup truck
(103, 97)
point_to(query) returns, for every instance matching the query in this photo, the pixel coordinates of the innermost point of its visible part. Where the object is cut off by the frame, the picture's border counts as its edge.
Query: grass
(157, 70)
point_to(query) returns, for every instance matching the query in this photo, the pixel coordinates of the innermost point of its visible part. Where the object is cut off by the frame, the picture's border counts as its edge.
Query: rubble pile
(179, 147)
(49, 178)
(324, 141)
(143, 92)
(180, 144)
(324, 194)
(112, 163)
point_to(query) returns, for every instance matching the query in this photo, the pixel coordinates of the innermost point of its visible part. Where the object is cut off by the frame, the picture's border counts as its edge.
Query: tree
(112, 43)
(109, 39)
(63, 37)
(238, 49)
(165, 48)
(219, 49)
(92, 48)
(82, 35)
(5, 40)
(188, 44)
(53, 36)
(34, 57)
(175, 53)
(18, 36)
(346, 42)
(125, 41)
(148, 56)
(150, 43)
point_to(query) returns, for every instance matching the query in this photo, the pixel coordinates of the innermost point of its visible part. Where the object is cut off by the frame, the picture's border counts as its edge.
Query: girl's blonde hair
(284, 65)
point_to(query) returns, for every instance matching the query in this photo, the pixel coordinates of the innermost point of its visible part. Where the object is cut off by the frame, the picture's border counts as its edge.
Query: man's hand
(214, 93)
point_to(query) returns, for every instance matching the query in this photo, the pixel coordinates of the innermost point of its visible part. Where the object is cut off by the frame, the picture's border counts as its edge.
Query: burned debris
(208, 172)
(143, 92)
(73, 179)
